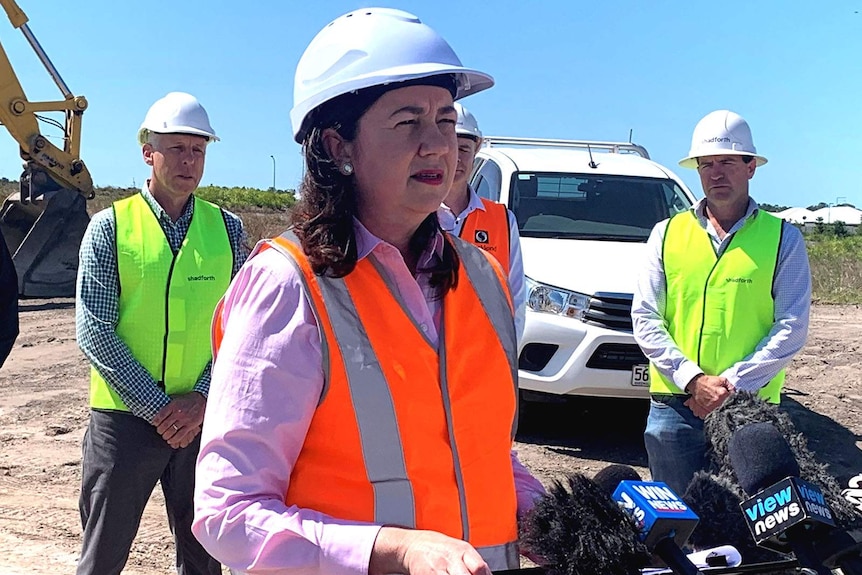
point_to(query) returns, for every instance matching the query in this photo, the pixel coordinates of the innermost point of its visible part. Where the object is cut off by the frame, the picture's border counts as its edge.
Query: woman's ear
(336, 146)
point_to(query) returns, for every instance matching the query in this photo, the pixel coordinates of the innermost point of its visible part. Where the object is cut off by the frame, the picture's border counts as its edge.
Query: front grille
(619, 356)
(611, 310)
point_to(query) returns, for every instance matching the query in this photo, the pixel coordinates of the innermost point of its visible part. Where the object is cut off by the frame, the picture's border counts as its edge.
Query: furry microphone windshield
(579, 530)
(716, 494)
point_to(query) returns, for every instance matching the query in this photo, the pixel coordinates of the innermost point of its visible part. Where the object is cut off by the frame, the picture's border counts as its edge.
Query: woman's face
(404, 154)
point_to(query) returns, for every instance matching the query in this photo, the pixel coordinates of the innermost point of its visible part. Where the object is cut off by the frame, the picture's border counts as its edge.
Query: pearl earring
(346, 168)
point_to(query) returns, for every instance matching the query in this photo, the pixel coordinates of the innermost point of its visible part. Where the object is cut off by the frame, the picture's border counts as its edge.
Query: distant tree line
(232, 198)
(777, 208)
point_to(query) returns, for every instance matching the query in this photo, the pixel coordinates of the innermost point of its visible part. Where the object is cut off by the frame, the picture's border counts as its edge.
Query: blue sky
(564, 69)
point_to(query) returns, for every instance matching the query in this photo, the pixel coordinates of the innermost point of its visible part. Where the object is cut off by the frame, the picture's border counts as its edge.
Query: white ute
(584, 210)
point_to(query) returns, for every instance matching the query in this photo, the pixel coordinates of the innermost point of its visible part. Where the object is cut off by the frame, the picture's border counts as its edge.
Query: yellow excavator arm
(43, 223)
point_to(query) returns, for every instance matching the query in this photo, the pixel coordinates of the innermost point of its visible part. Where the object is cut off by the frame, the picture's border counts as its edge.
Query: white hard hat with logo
(177, 113)
(721, 133)
(373, 47)
(466, 124)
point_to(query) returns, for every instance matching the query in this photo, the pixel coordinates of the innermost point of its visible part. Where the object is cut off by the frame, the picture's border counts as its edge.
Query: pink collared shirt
(266, 383)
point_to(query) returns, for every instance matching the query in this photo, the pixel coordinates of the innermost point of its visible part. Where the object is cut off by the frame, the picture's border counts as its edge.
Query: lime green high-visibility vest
(719, 308)
(166, 301)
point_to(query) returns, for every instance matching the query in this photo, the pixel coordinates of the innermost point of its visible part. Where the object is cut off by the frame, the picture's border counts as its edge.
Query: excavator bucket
(43, 235)
(43, 224)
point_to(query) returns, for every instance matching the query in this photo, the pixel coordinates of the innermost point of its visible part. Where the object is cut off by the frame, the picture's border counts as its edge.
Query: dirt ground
(43, 414)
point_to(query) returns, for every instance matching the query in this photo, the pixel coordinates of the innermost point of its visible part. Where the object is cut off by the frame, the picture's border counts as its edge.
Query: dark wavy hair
(322, 219)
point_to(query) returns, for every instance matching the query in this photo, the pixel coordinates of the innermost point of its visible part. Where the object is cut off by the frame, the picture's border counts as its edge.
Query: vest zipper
(167, 321)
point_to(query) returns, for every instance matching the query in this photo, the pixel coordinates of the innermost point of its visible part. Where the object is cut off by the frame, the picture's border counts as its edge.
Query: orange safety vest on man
(407, 434)
(489, 229)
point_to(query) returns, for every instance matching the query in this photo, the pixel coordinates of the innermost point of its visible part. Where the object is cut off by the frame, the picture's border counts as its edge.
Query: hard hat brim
(177, 130)
(468, 133)
(691, 161)
(476, 81)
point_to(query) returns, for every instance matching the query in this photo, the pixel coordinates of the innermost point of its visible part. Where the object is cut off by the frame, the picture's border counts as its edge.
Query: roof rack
(613, 147)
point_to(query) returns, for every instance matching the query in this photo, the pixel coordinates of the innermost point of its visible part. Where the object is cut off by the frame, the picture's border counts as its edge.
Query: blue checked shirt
(97, 306)
(791, 292)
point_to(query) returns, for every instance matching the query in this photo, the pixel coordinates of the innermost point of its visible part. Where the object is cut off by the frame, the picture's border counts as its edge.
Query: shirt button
(424, 328)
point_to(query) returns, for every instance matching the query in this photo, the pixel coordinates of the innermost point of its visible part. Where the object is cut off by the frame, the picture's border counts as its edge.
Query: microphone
(716, 498)
(609, 477)
(853, 493)
(743, 408)
(579, 530)
(785, 513)
(663, 519)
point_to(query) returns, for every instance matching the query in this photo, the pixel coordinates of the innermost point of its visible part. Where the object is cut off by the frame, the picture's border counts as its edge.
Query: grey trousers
(123, 459)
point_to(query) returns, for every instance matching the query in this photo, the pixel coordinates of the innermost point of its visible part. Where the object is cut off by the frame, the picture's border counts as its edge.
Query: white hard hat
(177, 113)
(466, 125)
(721, 133)
(373, 47)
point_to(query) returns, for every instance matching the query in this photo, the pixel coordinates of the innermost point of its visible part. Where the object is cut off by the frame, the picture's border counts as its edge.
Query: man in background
(152, 268)
(482, 222)
(722, 302)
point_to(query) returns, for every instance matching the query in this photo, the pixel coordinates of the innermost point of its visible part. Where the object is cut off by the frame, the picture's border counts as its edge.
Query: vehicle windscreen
(584, 206)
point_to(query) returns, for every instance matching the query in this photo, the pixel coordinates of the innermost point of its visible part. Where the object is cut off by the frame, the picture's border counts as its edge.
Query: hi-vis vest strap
(166, 302)
(408, 434)
(719, 309)
(489, 229)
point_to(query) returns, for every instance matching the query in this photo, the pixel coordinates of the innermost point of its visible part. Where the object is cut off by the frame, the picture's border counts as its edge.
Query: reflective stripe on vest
(404, 435)
(166, 302)
(719, 309)
(489, 229)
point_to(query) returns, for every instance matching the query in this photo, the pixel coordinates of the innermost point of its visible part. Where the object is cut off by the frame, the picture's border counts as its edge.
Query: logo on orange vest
(481, 236)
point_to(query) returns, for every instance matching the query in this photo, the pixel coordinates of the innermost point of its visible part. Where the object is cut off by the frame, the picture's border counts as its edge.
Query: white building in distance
(831, 214)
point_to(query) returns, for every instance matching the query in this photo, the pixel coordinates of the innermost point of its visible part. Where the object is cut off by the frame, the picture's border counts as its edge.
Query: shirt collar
(366, 242)
(700, 209)
(160, 212)
(473, 204)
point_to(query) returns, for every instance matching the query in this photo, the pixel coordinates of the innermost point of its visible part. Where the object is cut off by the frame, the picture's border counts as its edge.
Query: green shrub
(247, 198)
(233, 199)
(836, 267)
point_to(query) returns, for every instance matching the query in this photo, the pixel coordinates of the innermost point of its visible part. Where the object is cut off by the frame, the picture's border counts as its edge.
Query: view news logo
(788, 502)
(201, 278)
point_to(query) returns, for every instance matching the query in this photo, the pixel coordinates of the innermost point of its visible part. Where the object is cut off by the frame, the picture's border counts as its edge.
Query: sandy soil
(43, 414)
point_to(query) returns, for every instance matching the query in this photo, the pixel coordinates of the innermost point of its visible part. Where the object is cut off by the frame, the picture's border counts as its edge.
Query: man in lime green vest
(722, 302)
(152, 268)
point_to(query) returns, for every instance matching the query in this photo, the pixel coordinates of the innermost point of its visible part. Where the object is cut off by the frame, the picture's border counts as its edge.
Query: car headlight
(547, 299)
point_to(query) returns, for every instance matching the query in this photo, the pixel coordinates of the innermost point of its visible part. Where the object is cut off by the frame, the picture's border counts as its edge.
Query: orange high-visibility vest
(407, 434)
(489, 229)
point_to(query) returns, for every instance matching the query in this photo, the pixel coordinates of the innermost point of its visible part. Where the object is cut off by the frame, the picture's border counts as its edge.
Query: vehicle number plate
(640, 375)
